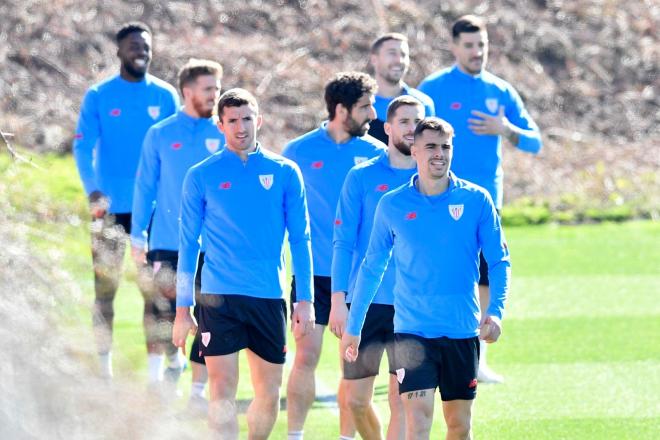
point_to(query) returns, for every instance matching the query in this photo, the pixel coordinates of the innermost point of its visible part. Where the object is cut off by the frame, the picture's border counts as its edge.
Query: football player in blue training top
(114, 118)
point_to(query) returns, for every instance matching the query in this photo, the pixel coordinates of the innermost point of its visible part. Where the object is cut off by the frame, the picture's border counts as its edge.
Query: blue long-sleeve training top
(377, 126)
(363, 188)
(245, 208)
(478, 158)
(170, 148)
(324, 165)
(114, 118)
(435, 243)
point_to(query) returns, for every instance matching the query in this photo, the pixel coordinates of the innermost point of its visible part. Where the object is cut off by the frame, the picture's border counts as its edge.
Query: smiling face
(240, 125)
(401, 128)
(433, 152)
(471, 51)
(134, 52)
(392, 60)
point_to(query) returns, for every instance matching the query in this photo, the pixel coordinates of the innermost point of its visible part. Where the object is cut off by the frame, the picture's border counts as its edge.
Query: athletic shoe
(198, 407)
(486, 375)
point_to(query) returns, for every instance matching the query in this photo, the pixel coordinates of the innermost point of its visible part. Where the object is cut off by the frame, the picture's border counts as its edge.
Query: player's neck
(337, 132)
(398, 160)
(190, 111)
(126, 76)
(432, 187)
(243, 154)
(387, 89)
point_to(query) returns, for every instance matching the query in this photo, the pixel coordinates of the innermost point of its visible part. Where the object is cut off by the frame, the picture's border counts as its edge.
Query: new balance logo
(411, 216)
(382, 187)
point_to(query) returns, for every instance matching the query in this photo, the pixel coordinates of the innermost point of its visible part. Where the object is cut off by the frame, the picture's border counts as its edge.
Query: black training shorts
(427, 363)
(322, 297)
(376, 337)
(230, 323)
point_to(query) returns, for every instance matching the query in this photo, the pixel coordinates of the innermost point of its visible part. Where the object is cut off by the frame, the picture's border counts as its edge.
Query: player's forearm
(499, 276)
(528, 140)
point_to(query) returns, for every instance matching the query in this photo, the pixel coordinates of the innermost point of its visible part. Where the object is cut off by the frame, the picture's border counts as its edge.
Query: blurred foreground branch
(13, 153)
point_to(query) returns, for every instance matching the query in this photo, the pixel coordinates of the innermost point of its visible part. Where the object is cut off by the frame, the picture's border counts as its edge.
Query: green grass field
(580, 350)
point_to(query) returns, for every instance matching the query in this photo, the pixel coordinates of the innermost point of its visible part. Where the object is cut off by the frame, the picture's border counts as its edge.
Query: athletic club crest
(456, 211)
(154, 111)
(491, 105)
(400, 374)
(266, 180)
(359, 159)
(212, 144)
(206, 338)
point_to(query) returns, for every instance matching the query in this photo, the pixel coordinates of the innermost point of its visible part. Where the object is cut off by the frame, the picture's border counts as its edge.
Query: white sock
(155, 364)
(105, 364)
(482, 353)
(295, 435)
(176, 360)
(345, 437)
(197, 389)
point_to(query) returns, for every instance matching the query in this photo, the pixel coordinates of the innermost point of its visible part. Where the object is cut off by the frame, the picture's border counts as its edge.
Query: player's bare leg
(223, 383)
(418, 409)
(301, 388)
(396, 429)
(458, 417)
(266, 381)
(359, 394)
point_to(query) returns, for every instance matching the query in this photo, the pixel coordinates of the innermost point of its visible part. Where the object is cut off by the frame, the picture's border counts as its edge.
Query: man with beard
(245, 198)
(170, 148)
(325, 155)
(114, 118)
(364, 186)
(434, 228)
(390, 59)
(483, 109)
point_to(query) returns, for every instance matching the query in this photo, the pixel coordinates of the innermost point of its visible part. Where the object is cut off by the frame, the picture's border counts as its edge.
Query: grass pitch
(580, 351)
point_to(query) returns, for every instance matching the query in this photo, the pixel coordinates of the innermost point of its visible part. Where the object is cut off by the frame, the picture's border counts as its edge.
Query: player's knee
(307, 358)
(458, 424)
(358, 405)
(103, 311)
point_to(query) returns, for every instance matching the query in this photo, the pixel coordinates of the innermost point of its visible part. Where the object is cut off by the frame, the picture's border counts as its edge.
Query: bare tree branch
(13, 153)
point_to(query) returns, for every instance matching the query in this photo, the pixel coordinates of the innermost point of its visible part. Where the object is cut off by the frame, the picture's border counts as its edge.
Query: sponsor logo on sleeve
(359, 159)
(206, 338)
(491, 104)
(212, 144)
(266, 180)
(337, 222)
(456, 211)
(154, 111)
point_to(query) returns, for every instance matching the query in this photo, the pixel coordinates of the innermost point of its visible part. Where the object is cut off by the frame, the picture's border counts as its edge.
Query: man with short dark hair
(325, 155)
(483, 109)
(114, 118)
(365, 185)
(170, 148)
(245, 198)
(390, 59)
(434, 228)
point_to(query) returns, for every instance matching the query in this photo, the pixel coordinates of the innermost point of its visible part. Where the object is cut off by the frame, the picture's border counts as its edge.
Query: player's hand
(139, 255)
(338, 314)
(184, 324)
(490, 328)
(303, 319)
(348, 347)
(98, 204)
(489, 124)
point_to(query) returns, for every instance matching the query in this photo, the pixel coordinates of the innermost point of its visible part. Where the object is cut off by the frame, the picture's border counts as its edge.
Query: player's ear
(220, 126)
(260, 121)
(341, 112)
(388, 128)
